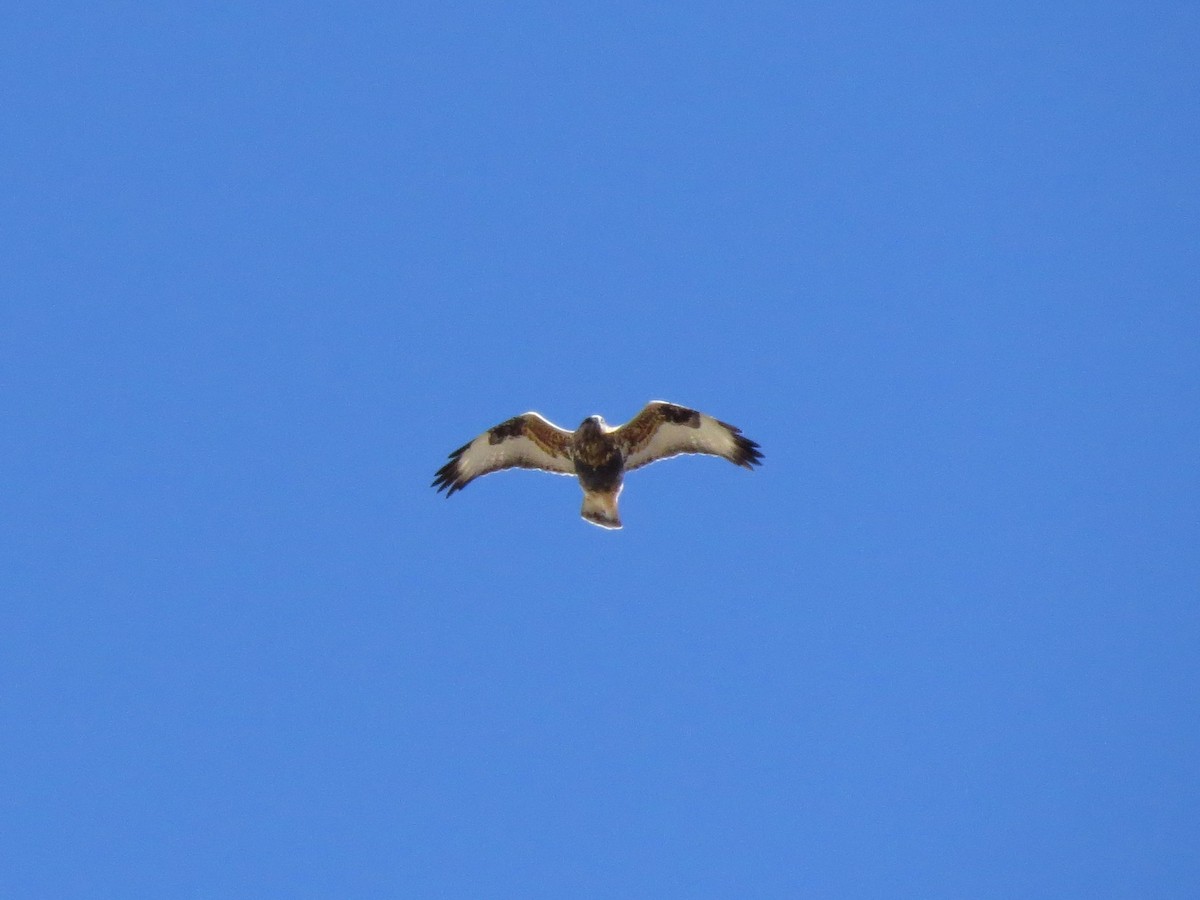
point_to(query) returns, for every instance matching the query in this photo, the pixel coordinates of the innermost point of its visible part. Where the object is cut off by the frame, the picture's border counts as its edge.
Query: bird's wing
(664, 429)
(523, 442)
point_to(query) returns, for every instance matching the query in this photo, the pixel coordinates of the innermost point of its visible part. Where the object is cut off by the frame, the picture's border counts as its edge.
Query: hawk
(597, 454)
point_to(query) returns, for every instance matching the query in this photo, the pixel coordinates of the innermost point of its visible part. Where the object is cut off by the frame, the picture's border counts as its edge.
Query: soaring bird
(597, 454)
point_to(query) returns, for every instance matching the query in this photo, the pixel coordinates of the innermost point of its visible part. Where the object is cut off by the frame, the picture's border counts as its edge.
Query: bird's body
(596, 454)
(600, 466)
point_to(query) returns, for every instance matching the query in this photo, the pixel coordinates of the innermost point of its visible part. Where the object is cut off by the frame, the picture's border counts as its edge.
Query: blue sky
(264, 267)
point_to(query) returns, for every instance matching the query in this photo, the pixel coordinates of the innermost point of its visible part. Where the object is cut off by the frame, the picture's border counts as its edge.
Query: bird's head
(592, 425)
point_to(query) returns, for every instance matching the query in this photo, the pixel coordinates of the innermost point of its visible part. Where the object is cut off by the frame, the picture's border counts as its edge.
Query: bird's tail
(601, 509)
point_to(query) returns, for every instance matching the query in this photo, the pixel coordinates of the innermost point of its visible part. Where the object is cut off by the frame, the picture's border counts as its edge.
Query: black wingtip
(747, 453)
(448, 478)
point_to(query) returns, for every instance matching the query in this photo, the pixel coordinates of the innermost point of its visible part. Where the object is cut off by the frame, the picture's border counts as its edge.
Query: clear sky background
(265, 265)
